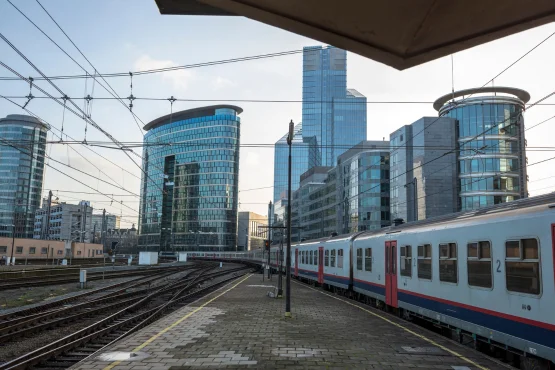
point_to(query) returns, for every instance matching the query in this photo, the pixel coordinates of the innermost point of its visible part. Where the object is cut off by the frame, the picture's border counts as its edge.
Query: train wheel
(533, 363)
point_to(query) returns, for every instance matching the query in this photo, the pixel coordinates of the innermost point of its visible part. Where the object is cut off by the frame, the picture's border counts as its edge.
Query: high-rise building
(423, 169)
(363, 185)
(251, 231)
(21, 173)
(334, 116)
(491, 151)
(190, 191)
(302, 154)
(352, 196)
(63, 221)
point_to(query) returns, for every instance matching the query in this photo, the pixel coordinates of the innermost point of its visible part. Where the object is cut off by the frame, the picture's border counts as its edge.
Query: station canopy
(398, 33)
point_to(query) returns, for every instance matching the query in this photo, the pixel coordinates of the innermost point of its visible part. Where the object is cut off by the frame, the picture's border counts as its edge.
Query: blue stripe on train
(369, 287)
(532, 333)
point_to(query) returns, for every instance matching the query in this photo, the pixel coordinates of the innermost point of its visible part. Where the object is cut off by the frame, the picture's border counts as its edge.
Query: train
(487, 274)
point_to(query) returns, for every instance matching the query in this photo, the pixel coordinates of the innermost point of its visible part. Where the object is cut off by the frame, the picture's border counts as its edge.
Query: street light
(288, 256)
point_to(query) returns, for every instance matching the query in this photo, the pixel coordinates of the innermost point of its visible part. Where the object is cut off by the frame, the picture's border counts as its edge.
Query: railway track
(73, 276)
(116, 316)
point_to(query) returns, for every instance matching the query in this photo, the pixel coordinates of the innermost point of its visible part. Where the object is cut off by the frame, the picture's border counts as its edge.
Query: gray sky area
(122, 36)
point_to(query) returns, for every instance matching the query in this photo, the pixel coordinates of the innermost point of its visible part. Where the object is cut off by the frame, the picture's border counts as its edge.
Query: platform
(239, 327)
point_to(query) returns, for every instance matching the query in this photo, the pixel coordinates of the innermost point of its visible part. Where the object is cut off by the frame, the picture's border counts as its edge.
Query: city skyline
(272, 79)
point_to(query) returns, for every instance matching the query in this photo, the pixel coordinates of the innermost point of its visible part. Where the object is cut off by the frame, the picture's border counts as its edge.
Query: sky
(123, 36)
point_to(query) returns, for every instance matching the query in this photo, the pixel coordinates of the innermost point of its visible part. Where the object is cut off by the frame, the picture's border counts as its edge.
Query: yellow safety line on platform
(151, 339)
(456, 354)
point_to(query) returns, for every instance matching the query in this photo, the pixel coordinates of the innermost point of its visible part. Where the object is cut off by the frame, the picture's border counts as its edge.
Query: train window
(368, 259)
(327, 258)
(448, 262)
(332, 259)
(479, 264)
(359, 259)
(406, 260)
(315, 258)
(425, 261)
(522, 266)
(311, 261)
(304, 257)
(340, 258)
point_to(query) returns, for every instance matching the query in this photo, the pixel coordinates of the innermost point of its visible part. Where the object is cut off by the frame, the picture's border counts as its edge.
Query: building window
(18, 250)
(327, 258)
(60, 251)
(406, 261)
(425, 261)
(78, 253)
(522, 266)
(368, 259)
(43, 250)
(479, 264)
(448, 262)
(3, 249)
(332, 264)
(32, 250)
(359, 259)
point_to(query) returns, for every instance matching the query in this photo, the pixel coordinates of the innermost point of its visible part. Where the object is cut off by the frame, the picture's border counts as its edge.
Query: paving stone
(246, 329)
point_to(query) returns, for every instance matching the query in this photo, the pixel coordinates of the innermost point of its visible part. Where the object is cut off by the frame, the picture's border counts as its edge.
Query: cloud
(180, 78)
(219, 83)
(253, 159)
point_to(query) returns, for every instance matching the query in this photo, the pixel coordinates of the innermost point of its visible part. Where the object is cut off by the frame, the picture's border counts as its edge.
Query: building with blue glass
(189, 195)
(21, 173)
(491, 151)
(333, 116)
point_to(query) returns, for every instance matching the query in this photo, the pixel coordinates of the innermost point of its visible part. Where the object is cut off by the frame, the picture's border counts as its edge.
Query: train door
(320, 265)
(391, 273)
(296, 262)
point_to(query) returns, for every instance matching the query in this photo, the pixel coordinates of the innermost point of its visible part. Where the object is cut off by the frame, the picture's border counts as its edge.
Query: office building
(302, 154)
(352, 196)
(63, 221)
(333, 116)
(112, 222)
(252, 230)
(189, 193)
(21, 173)
(363, 186)
(423, 169)
(491, 151)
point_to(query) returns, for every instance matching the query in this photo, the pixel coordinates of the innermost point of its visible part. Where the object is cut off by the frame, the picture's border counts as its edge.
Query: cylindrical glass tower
(491, 146)
(189, 196)
(21, 173)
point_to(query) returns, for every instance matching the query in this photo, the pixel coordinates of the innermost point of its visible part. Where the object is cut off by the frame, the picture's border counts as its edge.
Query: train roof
(517, 208)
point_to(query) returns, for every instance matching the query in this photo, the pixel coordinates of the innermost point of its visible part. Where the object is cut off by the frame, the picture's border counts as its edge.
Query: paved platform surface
(239, 327)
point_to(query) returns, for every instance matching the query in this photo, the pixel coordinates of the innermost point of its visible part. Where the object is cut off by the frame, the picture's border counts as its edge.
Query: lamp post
(288, 256)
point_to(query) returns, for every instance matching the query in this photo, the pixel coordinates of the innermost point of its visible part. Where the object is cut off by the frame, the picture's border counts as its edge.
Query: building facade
(334, 117)
(72, 222)
(303, 156)
(352, 196)
(190, 191)
(112, 222)
(491, 151)
(423, 173)
(122, 241)
(251, 231)
(363, 188)
(21, 173)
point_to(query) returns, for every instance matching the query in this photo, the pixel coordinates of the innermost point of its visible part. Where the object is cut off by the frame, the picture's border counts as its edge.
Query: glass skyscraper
(334, 118)
(189, 196)
(21, 173)
(490, 135)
